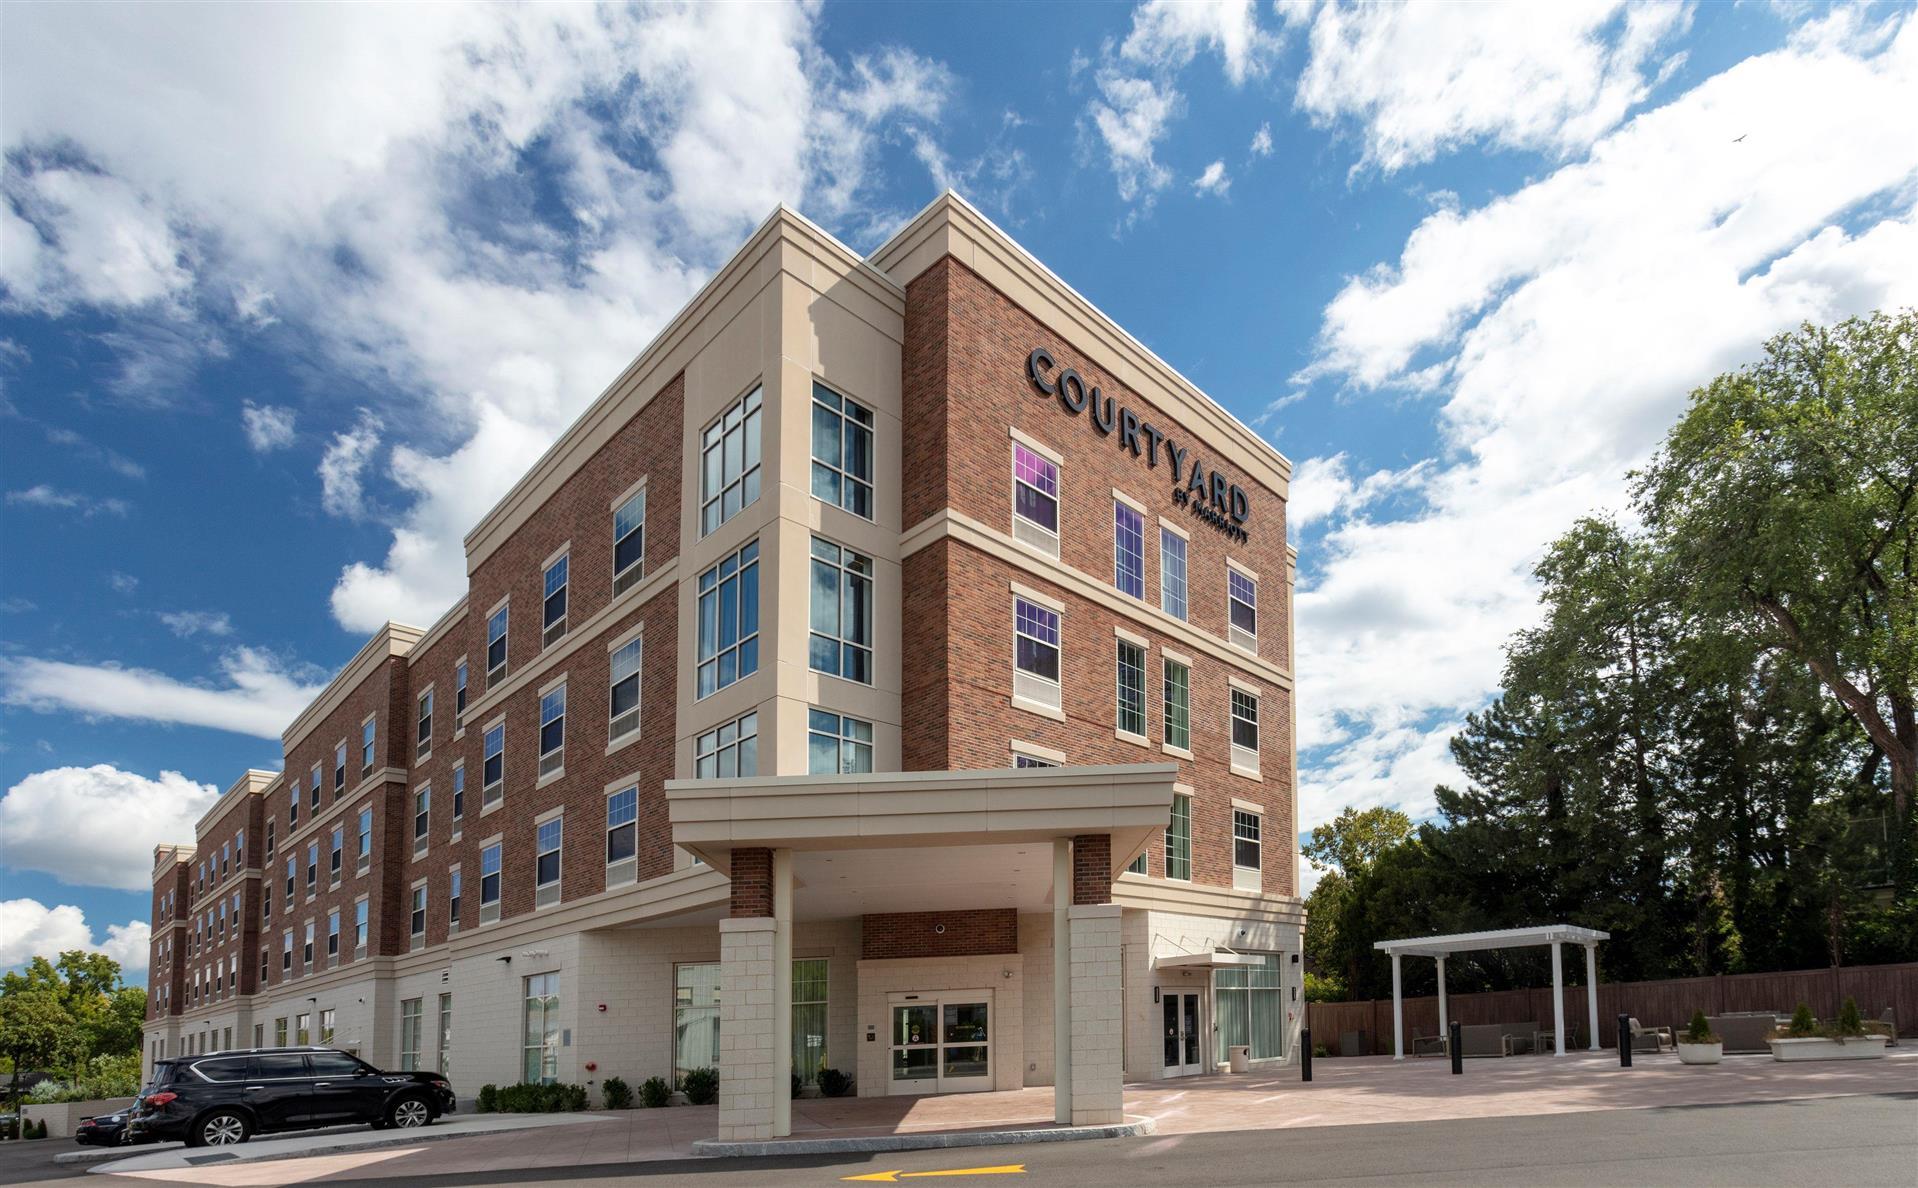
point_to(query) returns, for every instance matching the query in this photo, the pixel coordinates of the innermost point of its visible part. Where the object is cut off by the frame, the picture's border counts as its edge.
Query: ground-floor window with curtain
(446, 1035)
(1248, 1005)
(541, 1053)
(809, 1018)
(695, 1017)
(410, 1035)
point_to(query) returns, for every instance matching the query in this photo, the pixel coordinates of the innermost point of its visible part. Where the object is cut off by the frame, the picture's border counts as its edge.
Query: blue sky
(288, 296)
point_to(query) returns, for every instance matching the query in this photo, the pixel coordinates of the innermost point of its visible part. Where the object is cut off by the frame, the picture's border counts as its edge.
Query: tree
(35, 1032)
(1787, 501)
(1351, 840)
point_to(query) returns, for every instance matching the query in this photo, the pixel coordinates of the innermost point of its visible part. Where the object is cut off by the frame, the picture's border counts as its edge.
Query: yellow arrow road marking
(891, 1177)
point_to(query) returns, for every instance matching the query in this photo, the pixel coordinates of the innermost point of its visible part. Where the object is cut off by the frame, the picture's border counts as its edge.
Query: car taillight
(159, 1099)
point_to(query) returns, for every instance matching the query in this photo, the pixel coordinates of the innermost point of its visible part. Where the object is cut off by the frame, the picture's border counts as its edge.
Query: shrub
(540, 1099)
(618, 1094)
(654, 1092)
(40, 1129)
(489, 1099)
(700, 1085)
(1802, 1026)
(834, 1083)
(1849, 1022)
(1699, 1031)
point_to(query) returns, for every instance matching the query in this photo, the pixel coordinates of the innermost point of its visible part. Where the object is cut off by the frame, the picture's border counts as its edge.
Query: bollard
(1624, 1041)
(1453, 1043)
(1305, 1054)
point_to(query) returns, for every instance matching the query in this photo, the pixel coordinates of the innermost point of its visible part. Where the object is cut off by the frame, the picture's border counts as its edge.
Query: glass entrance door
(941, 1043)
(1180, 1015)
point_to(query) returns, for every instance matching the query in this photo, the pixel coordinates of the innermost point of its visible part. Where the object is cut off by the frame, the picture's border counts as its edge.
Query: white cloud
(259, 696)
(1132, 115)
(1168, 34)
(123, 583)
(29, 929)
(1213, 181)
(110, 246)
(1560, 328)
(341, 490)
(56, 822)
(268, 427)
(1262, 141)
(44, 496)
(187, 624)
(1426, 78)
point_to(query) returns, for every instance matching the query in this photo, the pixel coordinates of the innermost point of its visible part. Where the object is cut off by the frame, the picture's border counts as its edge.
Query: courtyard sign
(1206, 494)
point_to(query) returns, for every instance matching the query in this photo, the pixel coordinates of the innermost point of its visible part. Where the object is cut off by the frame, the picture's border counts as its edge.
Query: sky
(289, 296)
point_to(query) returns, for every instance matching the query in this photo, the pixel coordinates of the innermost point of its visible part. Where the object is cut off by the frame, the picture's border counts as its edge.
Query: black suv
(226, 1097)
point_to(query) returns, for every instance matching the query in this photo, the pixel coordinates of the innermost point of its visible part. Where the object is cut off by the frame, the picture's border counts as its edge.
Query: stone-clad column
(751, 1081)
(1097, 1029)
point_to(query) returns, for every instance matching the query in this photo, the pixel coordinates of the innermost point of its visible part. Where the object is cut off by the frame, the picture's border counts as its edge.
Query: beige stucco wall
(1002, 974)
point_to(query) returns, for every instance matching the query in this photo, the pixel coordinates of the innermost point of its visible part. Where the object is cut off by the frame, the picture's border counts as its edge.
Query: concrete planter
(62, 1118)
(1700, 1053)
(1862, 1047)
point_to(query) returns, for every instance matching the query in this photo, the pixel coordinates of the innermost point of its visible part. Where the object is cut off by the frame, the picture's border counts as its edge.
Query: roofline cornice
(394, 639)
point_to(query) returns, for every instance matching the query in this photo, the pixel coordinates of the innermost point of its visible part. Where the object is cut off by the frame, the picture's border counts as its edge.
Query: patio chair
(1482, 1039)
(1428, 1045)
(1651, 1039)
(1888, 1024)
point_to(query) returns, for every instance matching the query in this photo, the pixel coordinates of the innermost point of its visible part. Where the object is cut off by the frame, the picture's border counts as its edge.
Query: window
(1178, 839)
(1020, 760)
(552, 731)
(335, 852)
(841, 451)
(339, 770)
(410, 1035)
(1249, 1002)
(1171, 573)
(259, 1035)
(1245, 839)
(333, 933)
(728, 751)
(1242, 597)
(489, 883)
(453, 898)
(422, 815)
(1035, 655)
(425, 747)
(1137, 865)
(366, 837)
(1128, 549)
(269, 842)
(306, 947)
(546, 861)
(541, 1063)
(279, 1032)
(359, 926)
(837, 745)
(729, 620)
(291, 864)
(239, 848)
(493, 764)
(629, 542)
(303, 1030)
(553, 604)
(695, 1017)
(293, 804)
(417, 918)
(459, 696)
(1035, 499)
(1178, 705)
(496, 645)
(459, 794)
(313, 786)
(622, 701)
(809, 1018)
(1131, 707)
(366, 745)
(326, 1030)
(841, 612)
(729, 463)
(622, 827)
(446, 1034)
(312, 866)
(1245, 729)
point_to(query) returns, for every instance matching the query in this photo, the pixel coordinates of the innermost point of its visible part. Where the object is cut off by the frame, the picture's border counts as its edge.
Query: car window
(278, 1068)
(333, 1064)
(222, 1070)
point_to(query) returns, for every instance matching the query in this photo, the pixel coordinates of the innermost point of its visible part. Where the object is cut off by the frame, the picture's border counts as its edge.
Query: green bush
(654, 1092)
(488, 1099)
(618, 1094)
(1850, 1024)
(40, 1129)
(700, 1085)
(1802, 1026)
(540, 1099)
(1699, 1031)
(834, 1083)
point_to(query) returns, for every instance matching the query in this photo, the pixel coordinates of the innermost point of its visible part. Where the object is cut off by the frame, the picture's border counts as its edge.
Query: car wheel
(409, 1113)
(220, 1129)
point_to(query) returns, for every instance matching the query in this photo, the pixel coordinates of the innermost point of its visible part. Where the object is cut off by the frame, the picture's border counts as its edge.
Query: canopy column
(1591, 993)
(1445, 1020)
(1398, 1012)
(1558, 999)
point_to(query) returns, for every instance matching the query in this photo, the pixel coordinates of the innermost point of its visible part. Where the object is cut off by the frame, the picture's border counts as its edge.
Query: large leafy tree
(36, 1032)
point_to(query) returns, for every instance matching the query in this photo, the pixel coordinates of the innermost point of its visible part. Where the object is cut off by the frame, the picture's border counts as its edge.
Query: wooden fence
(1668, 1003)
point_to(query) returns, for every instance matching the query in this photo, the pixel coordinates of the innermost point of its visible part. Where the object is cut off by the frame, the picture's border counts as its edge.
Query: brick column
(754, 1070)
(1092, 868)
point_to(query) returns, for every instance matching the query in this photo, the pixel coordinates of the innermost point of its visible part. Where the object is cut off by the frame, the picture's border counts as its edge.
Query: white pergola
(1505, 938)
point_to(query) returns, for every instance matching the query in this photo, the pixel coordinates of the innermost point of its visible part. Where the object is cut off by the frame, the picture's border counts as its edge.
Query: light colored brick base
(747, 1079)
(1098, 1075)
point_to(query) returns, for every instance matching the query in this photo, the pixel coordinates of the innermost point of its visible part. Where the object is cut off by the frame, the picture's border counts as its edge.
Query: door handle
(324, 1085)
(251, 1088)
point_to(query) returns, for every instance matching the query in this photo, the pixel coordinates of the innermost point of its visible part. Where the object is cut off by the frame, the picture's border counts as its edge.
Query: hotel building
(891, 672)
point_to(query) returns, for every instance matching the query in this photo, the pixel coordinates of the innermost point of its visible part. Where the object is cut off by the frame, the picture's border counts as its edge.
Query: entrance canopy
(1440, 947)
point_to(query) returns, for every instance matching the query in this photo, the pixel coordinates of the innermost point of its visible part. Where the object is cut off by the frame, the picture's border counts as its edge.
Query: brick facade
(752, 891)
(1092, 868)
(979, 933)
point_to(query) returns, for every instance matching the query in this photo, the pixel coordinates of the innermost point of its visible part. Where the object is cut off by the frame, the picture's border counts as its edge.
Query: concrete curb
(345, 1143)
(929, 1141)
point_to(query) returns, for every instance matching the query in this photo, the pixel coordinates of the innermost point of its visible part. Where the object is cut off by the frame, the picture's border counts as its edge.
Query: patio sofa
(1496, 1039)
(1744, 1031)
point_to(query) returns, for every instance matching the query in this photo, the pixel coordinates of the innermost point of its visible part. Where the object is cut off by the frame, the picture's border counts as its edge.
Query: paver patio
(1343, 1092)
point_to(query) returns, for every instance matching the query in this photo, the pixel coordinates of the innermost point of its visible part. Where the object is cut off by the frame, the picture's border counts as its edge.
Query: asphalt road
(1819, 1143)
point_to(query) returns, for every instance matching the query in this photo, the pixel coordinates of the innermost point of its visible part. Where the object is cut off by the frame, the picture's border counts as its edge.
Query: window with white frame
(359, 926)
(1128, 548)
(417, 917)
(496, 626)
(459, 795)
(365, 856)
(1035, 653)
(286, 951)
(292, 865)
(493, 765)
(622, 699)
(424, 739)
(1130, 717)
(459, 696)
(306, 949)
(335, 852)
(422, 816)
(446, 1034)
(540, 1063)
(410, 1035)
(552, 731)
(1172, 572)
(729, 462)
(546, 860)
(1177, 699)
(1021, 759)
(489, 883)
(1242, 599)
(292, 803)
(367, 730)
(622, 835)
(809, 998)
(841, 451)
(1245, 729)
(837, 744)
(1035, 499)
(729, 621)
(553, 604)
(1245, 839)
(1178, 839)
(728, 750)
(841, 642)
(333, 933)
(629, 542)
(312, 866)
(327, 1018)
(313, 782)
(453, 897)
